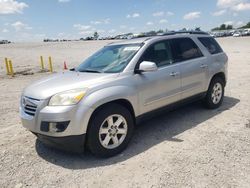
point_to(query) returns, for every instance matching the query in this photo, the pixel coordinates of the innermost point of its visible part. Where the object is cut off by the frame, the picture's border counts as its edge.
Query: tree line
(229, 27)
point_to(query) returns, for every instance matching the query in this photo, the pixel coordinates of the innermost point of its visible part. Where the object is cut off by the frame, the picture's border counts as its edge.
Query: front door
(163, 86)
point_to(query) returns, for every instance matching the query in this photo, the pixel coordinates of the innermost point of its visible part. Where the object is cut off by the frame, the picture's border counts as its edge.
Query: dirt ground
(189, 147)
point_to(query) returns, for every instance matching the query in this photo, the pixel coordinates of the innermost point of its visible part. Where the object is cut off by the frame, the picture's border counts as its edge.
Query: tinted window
(211, 45)
(184, 49)
(159, 53)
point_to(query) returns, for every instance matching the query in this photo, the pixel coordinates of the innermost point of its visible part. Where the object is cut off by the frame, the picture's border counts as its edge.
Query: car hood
(56, 83)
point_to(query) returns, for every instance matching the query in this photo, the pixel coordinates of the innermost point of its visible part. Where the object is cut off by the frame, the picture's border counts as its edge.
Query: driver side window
(159, 53)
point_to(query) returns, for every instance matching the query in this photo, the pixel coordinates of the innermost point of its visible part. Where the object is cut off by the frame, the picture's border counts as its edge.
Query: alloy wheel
(113, 131)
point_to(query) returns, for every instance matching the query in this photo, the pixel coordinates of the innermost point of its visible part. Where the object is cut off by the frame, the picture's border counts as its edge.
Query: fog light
(54, 127)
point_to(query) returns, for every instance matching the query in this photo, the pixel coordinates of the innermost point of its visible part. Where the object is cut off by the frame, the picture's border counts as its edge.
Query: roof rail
(185, 32)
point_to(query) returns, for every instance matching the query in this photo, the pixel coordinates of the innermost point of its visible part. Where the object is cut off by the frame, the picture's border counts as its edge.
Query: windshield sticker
(131, 48)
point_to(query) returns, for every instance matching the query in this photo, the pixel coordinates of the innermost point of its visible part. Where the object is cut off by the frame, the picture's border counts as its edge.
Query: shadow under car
(164, 126)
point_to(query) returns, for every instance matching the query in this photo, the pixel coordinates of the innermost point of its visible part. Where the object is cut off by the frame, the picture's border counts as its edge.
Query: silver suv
(97, 104)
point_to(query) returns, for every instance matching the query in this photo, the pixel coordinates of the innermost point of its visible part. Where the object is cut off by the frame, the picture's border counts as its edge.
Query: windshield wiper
(89, 70)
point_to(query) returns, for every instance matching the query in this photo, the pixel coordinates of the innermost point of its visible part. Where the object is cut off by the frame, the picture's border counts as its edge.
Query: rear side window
(210, 43)
(185, 49)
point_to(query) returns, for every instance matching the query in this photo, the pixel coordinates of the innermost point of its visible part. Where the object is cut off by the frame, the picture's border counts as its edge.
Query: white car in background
(237, 34)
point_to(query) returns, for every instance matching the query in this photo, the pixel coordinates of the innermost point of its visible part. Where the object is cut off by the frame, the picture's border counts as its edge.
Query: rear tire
(215, 93)
(110, 130)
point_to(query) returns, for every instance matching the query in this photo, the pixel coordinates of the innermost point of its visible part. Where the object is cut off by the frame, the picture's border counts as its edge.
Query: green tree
(151, 33)
(223, 27)
(229, 27)
(96, 35)
(245, 26)
(216, 29)
(160, 31)
(197, 29)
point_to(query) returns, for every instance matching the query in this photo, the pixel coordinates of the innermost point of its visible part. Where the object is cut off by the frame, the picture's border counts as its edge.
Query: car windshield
(110, 59)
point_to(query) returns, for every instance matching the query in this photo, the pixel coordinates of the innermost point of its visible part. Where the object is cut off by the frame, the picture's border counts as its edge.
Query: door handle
(204, 66)
(174, 73)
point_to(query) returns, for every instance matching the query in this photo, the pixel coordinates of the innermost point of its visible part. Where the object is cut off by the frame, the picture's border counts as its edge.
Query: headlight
(67, 98)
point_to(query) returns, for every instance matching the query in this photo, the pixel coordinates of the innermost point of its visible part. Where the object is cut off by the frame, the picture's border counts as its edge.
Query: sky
(34, 20)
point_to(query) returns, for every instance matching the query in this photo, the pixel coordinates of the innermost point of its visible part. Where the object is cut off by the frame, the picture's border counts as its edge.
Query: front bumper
(77, 115)
(69, 143)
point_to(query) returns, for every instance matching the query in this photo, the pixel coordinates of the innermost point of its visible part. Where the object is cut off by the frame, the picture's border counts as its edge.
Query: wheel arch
(220, 75)
(123, 102)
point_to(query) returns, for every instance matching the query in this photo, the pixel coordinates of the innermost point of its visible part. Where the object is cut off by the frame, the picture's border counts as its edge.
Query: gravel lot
(188, 147)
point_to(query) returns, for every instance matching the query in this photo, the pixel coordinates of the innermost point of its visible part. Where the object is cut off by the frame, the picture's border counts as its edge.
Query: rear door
(218, 58)
(193, 66)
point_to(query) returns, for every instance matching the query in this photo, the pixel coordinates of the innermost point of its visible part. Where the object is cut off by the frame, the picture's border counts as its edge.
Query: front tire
(215, 93)
(110, 130)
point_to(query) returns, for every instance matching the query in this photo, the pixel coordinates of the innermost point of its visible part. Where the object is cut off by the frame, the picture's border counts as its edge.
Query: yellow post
(11, 68)
(50, 65)
(7, 66)
(42, 64)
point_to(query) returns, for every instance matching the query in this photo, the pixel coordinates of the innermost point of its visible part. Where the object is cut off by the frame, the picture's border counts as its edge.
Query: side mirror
(147, 66)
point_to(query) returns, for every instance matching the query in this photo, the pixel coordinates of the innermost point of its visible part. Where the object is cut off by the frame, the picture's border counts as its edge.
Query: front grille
(29, 105)
(30, 109)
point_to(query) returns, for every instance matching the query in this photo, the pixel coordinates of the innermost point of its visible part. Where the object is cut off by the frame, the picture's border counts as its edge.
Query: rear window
(185, 49)
(210, 43)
